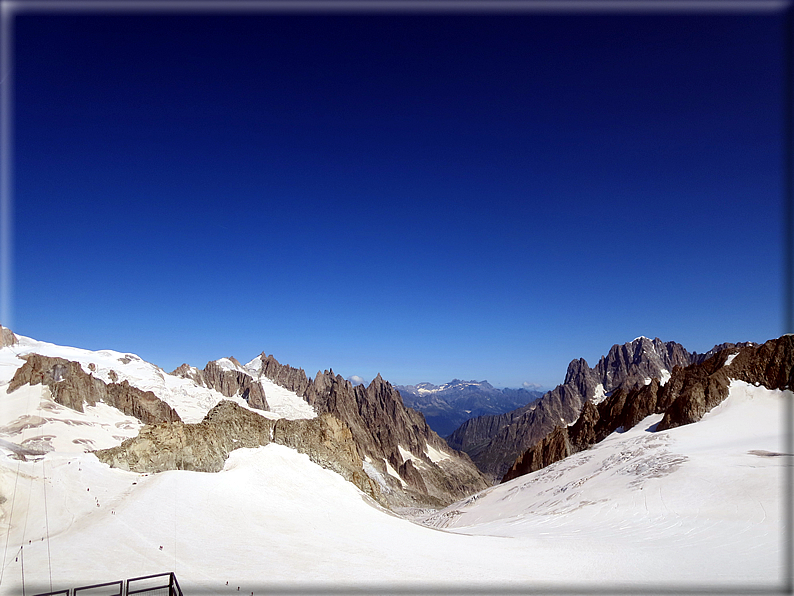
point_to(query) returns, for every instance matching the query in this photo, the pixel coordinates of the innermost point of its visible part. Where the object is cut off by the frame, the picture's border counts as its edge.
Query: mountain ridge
(690, 392)
(449, 405)
(404, 445)
(495, 443)
(407, 463)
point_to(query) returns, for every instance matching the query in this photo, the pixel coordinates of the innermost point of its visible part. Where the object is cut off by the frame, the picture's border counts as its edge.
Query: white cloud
(531, 386)
(356, 380)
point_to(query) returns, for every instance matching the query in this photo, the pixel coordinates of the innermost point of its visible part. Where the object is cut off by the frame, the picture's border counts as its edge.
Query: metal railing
(159, 584)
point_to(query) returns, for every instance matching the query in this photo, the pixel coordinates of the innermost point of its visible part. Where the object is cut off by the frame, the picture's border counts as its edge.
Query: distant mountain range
(447, 406)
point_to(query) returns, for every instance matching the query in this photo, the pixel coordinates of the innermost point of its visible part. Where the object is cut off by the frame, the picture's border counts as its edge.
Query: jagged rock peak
(185, 371)
(640, 359)
(227, 382)
(690, 392)
(7, 337)
(381, 426)
(284, 375)
(386, 432)
(723, 346)
(575, 369)
(378, 383)
(495, 443)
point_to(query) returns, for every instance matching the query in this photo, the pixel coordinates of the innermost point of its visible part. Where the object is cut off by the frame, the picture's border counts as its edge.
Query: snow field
(695, 506)
(698, 497)
(271, 516)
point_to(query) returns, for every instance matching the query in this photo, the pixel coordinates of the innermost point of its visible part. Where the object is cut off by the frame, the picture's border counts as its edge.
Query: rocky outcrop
(7, 337)
(623, 408)
(553, 447)
(385, 431)
(627, 366)
(294, 379)
(699, 388)
(412, 476)
(474, 435)
(560, 405)
(227, 382)
(719, 348)
(205, 446)
(382, 426)
(690, 392)
(72, 387)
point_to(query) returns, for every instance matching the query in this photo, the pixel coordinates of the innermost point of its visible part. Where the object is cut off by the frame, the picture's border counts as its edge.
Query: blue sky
(424, 196)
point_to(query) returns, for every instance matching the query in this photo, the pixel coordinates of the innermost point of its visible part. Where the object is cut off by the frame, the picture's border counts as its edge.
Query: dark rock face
(71, 386)
(495, 443)
(624, 408)
(628, 365)
(204, 447)
(226, 382)
(553, 447)
(7, 337)
(701, 387)
(412, 476)
(448, 406)
(380, 426)
(284, 375)
(719, 348)
(583, 432)
(562, 404)
(690, 393)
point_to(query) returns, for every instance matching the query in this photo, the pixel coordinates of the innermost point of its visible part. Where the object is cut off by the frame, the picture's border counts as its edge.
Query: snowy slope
(191, 401)
(284, 402)
(698, 505)
(704, 499)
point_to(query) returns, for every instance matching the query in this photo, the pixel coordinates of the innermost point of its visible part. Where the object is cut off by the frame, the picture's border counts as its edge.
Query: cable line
(46, 521)
(10, 519)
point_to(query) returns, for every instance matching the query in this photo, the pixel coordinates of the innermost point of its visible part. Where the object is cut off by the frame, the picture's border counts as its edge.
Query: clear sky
(424, 196)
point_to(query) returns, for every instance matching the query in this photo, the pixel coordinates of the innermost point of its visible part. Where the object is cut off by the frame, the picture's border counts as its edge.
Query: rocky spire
(227, 382)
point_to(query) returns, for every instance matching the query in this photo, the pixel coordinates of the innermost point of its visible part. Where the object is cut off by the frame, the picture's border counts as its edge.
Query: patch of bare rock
(7, 337)
(205, 446)
(71, 386)
(227, 382)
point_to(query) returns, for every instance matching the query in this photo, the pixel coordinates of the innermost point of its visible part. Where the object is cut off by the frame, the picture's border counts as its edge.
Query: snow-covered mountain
(683, 398)
(447, 406)
(696, 506)
(494, 442)
(404, 462)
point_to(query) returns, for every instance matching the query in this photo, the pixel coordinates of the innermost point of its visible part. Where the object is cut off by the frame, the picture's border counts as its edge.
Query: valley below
(697, 507)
